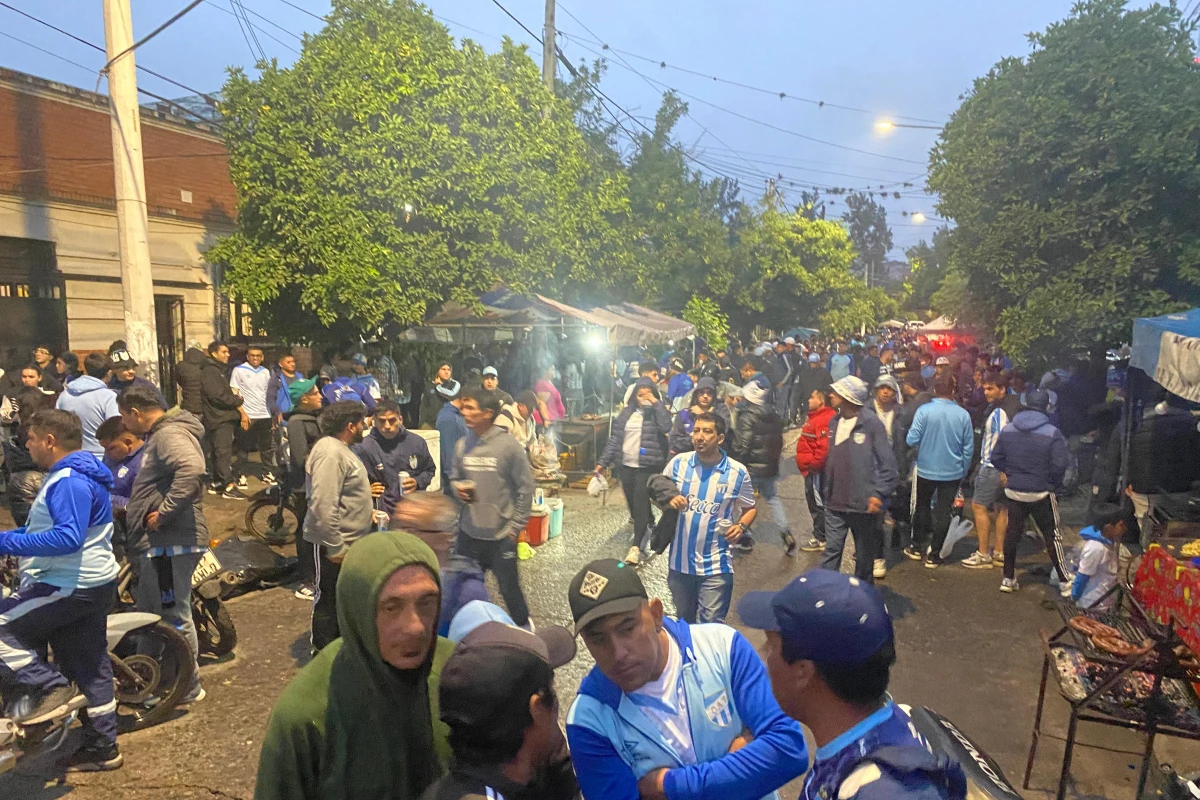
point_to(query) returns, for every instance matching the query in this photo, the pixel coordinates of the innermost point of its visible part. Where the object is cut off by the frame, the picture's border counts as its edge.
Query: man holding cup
(491, 475)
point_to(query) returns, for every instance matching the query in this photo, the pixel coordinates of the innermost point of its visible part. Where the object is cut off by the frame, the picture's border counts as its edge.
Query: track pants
(499, 556)
(936, 522)
(74, 624)
(1045, 514)
(816, 506)
(324, 613)
(637, 497)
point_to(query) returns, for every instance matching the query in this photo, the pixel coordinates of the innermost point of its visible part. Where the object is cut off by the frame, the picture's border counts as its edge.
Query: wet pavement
(964, 649)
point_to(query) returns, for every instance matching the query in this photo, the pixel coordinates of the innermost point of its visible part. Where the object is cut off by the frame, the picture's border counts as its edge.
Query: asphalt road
(964, 649)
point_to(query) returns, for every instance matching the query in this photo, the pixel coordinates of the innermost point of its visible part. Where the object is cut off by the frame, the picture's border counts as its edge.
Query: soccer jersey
(722, 491)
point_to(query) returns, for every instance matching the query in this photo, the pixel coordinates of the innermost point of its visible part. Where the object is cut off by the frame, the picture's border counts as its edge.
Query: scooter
(215, 632)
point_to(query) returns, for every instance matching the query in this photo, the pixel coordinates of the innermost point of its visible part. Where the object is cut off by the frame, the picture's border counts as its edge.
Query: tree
(867, 222)
(711, 323)
(1072, 175)
(927, 265)
(389, 169)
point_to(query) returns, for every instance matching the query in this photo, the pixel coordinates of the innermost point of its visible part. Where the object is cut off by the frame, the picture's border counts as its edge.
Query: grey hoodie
(503, 484)
(339, 496)
(171, 482)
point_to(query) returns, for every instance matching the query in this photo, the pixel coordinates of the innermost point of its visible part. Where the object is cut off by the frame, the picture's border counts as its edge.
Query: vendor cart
(1151, 687)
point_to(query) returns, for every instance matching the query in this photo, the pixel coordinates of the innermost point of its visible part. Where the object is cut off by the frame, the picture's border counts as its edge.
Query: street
(964, 649)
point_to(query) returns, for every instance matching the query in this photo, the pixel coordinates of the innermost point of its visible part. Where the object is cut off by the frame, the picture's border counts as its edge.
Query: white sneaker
(634, 556)
(1009, 585)
(879, 568)
(241, 482)
(977, 560)
(998, 557)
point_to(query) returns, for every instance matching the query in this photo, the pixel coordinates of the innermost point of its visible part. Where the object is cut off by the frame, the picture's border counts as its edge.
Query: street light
(918, 217)
(885, 126)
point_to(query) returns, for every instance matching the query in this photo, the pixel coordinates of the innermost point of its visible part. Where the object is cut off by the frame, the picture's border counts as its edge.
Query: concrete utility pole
(549, 51)
(133, 228)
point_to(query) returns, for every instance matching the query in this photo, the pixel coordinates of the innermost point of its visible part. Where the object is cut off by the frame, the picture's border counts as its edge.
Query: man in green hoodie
(361, 720)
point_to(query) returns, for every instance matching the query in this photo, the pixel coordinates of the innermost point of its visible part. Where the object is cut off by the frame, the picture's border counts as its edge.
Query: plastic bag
(959, 528)
(596, 485)
(543, 454)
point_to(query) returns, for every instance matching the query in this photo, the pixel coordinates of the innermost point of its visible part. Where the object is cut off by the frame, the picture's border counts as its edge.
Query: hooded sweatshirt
(93, 402)
(1097, 569)
(187, 376)
(349, 725)
(1032, 453)
(171, 482)
(654, 424)
(339, 496)
(503, 484)
(386, 458)
(67, 539)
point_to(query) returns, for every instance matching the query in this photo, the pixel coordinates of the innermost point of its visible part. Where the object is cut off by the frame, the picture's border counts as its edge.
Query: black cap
(495, 667)
(605, 586)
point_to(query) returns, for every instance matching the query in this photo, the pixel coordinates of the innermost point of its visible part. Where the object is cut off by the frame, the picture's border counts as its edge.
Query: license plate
(209, 567)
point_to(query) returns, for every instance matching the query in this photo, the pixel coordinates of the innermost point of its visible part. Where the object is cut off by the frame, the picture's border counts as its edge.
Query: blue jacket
(346, 388)
(451, 427)
(861, 467)
(678, 387)
(1032, 453)
(385, 459)
(840, 365)
(656, 424)
(67, 540)
(120, 386)
(278, 399)
(93, 402)
(614, 744)
(943, 432)
(884, 759)
(124, 473)
(680, 438)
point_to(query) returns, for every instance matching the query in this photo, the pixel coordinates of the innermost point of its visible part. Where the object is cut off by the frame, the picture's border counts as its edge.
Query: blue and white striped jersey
(992, 426)
(712, 494)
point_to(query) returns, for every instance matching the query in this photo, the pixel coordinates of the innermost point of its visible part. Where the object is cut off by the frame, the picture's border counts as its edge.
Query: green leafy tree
(869, 231)
(711, 323)
(390, 169)
(1072, 175)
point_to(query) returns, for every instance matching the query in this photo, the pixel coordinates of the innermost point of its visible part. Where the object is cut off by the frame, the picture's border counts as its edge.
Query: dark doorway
(168, 324)
(33, 304)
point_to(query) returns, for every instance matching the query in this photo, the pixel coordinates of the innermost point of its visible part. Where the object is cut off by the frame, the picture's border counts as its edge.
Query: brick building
(59, 269)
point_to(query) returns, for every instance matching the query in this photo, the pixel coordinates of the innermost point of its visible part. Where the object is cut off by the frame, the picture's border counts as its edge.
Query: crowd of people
(419, 686)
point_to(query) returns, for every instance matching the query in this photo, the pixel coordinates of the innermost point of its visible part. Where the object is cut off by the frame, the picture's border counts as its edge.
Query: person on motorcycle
(167, 531)
(829, 654)
(68, 578)
(361, 719)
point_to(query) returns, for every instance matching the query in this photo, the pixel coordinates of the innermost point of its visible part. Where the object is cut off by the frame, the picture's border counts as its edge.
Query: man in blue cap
(829, 654)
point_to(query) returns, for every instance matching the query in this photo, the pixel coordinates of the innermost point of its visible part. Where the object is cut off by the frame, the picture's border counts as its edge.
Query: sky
(908, 62)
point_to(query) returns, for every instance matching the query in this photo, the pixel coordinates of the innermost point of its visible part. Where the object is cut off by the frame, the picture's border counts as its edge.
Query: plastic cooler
(537, 530)
(556, 517)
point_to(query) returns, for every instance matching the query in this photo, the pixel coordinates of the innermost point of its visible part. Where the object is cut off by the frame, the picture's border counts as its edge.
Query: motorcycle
(215, 632)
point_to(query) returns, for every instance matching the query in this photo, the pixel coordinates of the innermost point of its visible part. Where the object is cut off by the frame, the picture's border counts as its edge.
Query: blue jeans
(700, 598)
(867, 530)
(766, 488)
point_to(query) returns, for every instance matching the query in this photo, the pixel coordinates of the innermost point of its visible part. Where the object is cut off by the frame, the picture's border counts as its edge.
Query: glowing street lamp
(918, 217)
(886, 126)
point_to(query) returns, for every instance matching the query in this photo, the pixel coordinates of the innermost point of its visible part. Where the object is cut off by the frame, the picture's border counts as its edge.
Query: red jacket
(813, 445)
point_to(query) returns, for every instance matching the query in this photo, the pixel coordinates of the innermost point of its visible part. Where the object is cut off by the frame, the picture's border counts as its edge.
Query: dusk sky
(904, 61)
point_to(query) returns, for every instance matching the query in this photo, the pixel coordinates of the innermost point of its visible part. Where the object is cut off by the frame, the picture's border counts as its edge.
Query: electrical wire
(773, 92)
(47, 52)
(178, 15)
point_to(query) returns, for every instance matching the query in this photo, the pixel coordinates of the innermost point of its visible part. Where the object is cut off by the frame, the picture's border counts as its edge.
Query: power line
(47, 52)
(178, 15)
(773, 92)
(764, 123)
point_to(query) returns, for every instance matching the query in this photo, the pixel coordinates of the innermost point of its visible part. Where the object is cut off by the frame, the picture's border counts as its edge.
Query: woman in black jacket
(638, 445)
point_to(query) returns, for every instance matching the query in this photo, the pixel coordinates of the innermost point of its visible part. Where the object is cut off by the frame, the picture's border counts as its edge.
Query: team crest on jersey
(592, 585)
(412, 461)
(717, 710)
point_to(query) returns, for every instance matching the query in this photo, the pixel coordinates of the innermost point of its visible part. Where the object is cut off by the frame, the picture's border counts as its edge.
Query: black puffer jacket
(758, 439)
(187, 375)
(1162, 455)
(220, 403)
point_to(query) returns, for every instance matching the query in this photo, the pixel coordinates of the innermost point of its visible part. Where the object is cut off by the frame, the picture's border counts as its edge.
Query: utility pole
(133, 228)
(549, 48)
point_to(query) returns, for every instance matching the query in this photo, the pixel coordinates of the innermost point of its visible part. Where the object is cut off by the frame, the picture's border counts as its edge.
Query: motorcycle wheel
(214, 626)
(274, 524)
(150, 663)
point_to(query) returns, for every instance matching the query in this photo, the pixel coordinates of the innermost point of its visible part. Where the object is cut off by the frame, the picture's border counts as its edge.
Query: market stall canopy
(503, 311)
(1167, 348)
(801, 333)
(892, 323)
(942, 324)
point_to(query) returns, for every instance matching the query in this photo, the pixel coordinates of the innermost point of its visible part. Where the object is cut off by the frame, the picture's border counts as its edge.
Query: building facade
(60, 274)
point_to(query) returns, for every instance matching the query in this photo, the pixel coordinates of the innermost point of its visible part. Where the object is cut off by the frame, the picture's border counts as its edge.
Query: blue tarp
(1167, 348)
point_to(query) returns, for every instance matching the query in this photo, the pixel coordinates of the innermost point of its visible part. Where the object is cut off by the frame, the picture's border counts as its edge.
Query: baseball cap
(297, 389)
(497, 666)
(360, 359)
(1037, 400)
(814, 357)
(605, 586)
(449, 389)
(822, 616)
(850, 389)
(942, 361)
(789, 340)
(491, 371)
(474, 614)
(121, 359)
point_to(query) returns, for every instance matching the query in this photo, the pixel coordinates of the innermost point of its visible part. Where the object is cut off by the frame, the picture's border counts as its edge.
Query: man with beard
(339, 508)
(361, 720)
(391, 450)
